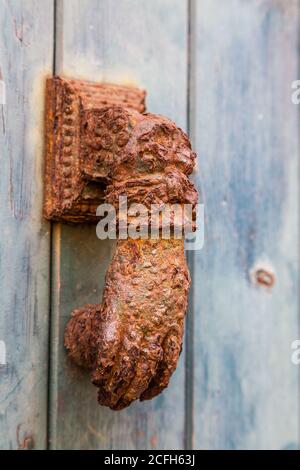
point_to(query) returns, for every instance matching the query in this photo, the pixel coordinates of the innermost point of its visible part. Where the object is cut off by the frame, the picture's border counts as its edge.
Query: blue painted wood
(26, 49)
(131, 42)
(245, 128)
(242, 386)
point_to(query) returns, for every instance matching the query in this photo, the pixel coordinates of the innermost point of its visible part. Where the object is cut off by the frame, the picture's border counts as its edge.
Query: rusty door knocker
(100, 145)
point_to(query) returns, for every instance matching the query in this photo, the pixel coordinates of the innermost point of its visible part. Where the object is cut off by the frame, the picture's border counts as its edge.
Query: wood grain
(129, 42)
(26, 37)
(242, 390)
(245, 128)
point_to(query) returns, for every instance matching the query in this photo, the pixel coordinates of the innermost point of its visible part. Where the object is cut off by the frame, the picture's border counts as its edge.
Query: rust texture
(72, 190)
(265, 277)
(132, 340)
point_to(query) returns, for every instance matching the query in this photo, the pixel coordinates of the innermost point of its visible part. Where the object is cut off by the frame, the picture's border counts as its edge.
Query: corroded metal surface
(73, 189)
(131, 342)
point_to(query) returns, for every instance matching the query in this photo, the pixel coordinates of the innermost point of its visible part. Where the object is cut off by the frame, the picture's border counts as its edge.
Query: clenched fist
(132, 341)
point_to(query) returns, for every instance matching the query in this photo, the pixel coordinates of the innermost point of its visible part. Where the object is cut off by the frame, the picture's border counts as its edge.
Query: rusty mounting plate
(74, 182)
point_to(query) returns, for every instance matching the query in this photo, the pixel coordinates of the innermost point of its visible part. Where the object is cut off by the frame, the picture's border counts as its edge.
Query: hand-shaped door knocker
(100, 145)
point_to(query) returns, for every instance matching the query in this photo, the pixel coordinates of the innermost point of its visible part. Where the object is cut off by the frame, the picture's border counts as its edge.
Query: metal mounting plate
(72, 192)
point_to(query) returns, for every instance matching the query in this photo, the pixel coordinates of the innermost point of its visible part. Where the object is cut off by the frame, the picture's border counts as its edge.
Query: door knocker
(101, 145)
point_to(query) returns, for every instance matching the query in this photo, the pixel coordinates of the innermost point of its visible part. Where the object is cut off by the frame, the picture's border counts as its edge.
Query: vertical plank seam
(298, 254)
(54, 332)
(189, 336)
(54, 35)
(54, 233)
(49, 341)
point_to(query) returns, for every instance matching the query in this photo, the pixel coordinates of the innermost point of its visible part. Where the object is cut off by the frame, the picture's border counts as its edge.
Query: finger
(112, 387)
(150, 356)
(80, 334)
(172, 346)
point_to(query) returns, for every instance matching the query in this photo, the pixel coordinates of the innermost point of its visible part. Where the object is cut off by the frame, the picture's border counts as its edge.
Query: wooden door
(223, 72)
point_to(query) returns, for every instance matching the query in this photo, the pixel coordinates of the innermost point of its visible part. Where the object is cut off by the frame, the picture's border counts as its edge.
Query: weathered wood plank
(246, 132)
(138, 42)
(26, 50)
